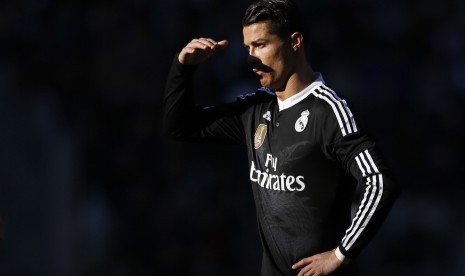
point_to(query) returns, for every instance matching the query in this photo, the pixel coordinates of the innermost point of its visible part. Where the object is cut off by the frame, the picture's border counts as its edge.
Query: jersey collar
(294, 99)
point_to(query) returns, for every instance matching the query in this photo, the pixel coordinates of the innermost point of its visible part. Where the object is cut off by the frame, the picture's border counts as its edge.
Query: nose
(252, 59)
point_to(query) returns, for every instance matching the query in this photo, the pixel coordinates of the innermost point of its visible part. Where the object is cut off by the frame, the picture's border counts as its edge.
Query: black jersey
(306, 156)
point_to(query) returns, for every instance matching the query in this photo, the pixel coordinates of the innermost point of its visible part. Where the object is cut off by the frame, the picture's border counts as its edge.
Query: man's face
(270, 57)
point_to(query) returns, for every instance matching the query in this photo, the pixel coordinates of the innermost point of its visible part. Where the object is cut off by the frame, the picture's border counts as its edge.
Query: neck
(297, 81)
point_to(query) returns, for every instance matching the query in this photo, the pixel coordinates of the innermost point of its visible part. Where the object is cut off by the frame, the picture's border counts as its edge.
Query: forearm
(378, 196)
(178, 106)
(185, 121)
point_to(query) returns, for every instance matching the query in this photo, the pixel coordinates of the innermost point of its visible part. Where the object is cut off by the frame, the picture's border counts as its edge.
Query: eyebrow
(258, 41)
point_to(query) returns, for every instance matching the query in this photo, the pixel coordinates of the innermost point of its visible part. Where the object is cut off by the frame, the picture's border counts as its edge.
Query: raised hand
(199, 49)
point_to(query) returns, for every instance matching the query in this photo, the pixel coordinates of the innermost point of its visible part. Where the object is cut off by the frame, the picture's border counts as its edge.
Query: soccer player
(306, 152)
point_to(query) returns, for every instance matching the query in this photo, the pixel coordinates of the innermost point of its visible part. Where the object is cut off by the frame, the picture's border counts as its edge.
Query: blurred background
(89, 186)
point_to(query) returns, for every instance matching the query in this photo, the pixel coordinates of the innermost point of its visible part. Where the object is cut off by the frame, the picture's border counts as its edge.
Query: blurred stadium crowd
(89, 186)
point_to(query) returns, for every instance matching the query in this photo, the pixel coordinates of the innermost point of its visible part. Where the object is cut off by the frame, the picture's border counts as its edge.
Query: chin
(266, 84)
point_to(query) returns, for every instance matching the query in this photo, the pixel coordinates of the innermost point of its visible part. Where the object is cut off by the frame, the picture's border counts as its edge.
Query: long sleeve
(379, 192)
(183, 120)
(346, 143)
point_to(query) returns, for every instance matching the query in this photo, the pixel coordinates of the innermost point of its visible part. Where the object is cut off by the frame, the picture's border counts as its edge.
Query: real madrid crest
(260, 135)
(267, 116)
(301, 123)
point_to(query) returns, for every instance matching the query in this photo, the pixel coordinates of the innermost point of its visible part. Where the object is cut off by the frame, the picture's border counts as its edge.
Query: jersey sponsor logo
(267, 116)
(301, 123)
(260, 135)
(275, 181)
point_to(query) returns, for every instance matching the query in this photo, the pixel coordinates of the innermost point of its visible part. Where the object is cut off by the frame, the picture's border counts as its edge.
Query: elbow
(170, 128)
(172, 133)
(175, 133)
(392, 188)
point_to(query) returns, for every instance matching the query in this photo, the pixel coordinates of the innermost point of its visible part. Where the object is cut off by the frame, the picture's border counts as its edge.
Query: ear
(297, 41)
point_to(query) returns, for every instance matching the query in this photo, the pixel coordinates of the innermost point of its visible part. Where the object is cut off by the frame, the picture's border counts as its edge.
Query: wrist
(341, 257)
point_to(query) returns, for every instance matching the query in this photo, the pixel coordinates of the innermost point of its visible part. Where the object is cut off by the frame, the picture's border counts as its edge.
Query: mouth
(257, 72)
(260, 70)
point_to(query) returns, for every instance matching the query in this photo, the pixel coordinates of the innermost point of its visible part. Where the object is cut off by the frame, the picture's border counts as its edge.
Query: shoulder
(334, 108)
(326, 99)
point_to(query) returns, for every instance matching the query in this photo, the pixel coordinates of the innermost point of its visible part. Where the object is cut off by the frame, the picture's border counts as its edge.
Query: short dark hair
(283, 15)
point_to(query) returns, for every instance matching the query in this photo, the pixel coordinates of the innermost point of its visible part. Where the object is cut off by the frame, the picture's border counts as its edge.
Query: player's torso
(285, 149)
(294, 183)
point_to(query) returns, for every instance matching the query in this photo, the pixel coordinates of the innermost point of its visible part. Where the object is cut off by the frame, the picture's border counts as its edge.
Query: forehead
(256, 32)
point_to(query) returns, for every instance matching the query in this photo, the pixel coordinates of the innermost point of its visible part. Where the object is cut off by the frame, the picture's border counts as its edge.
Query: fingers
(301, 263)
(317, 265)
(208, 44)
(305, 263)
(307, 273)
(223, 43)
(202, 43)
(309, 267)
(200, 49)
